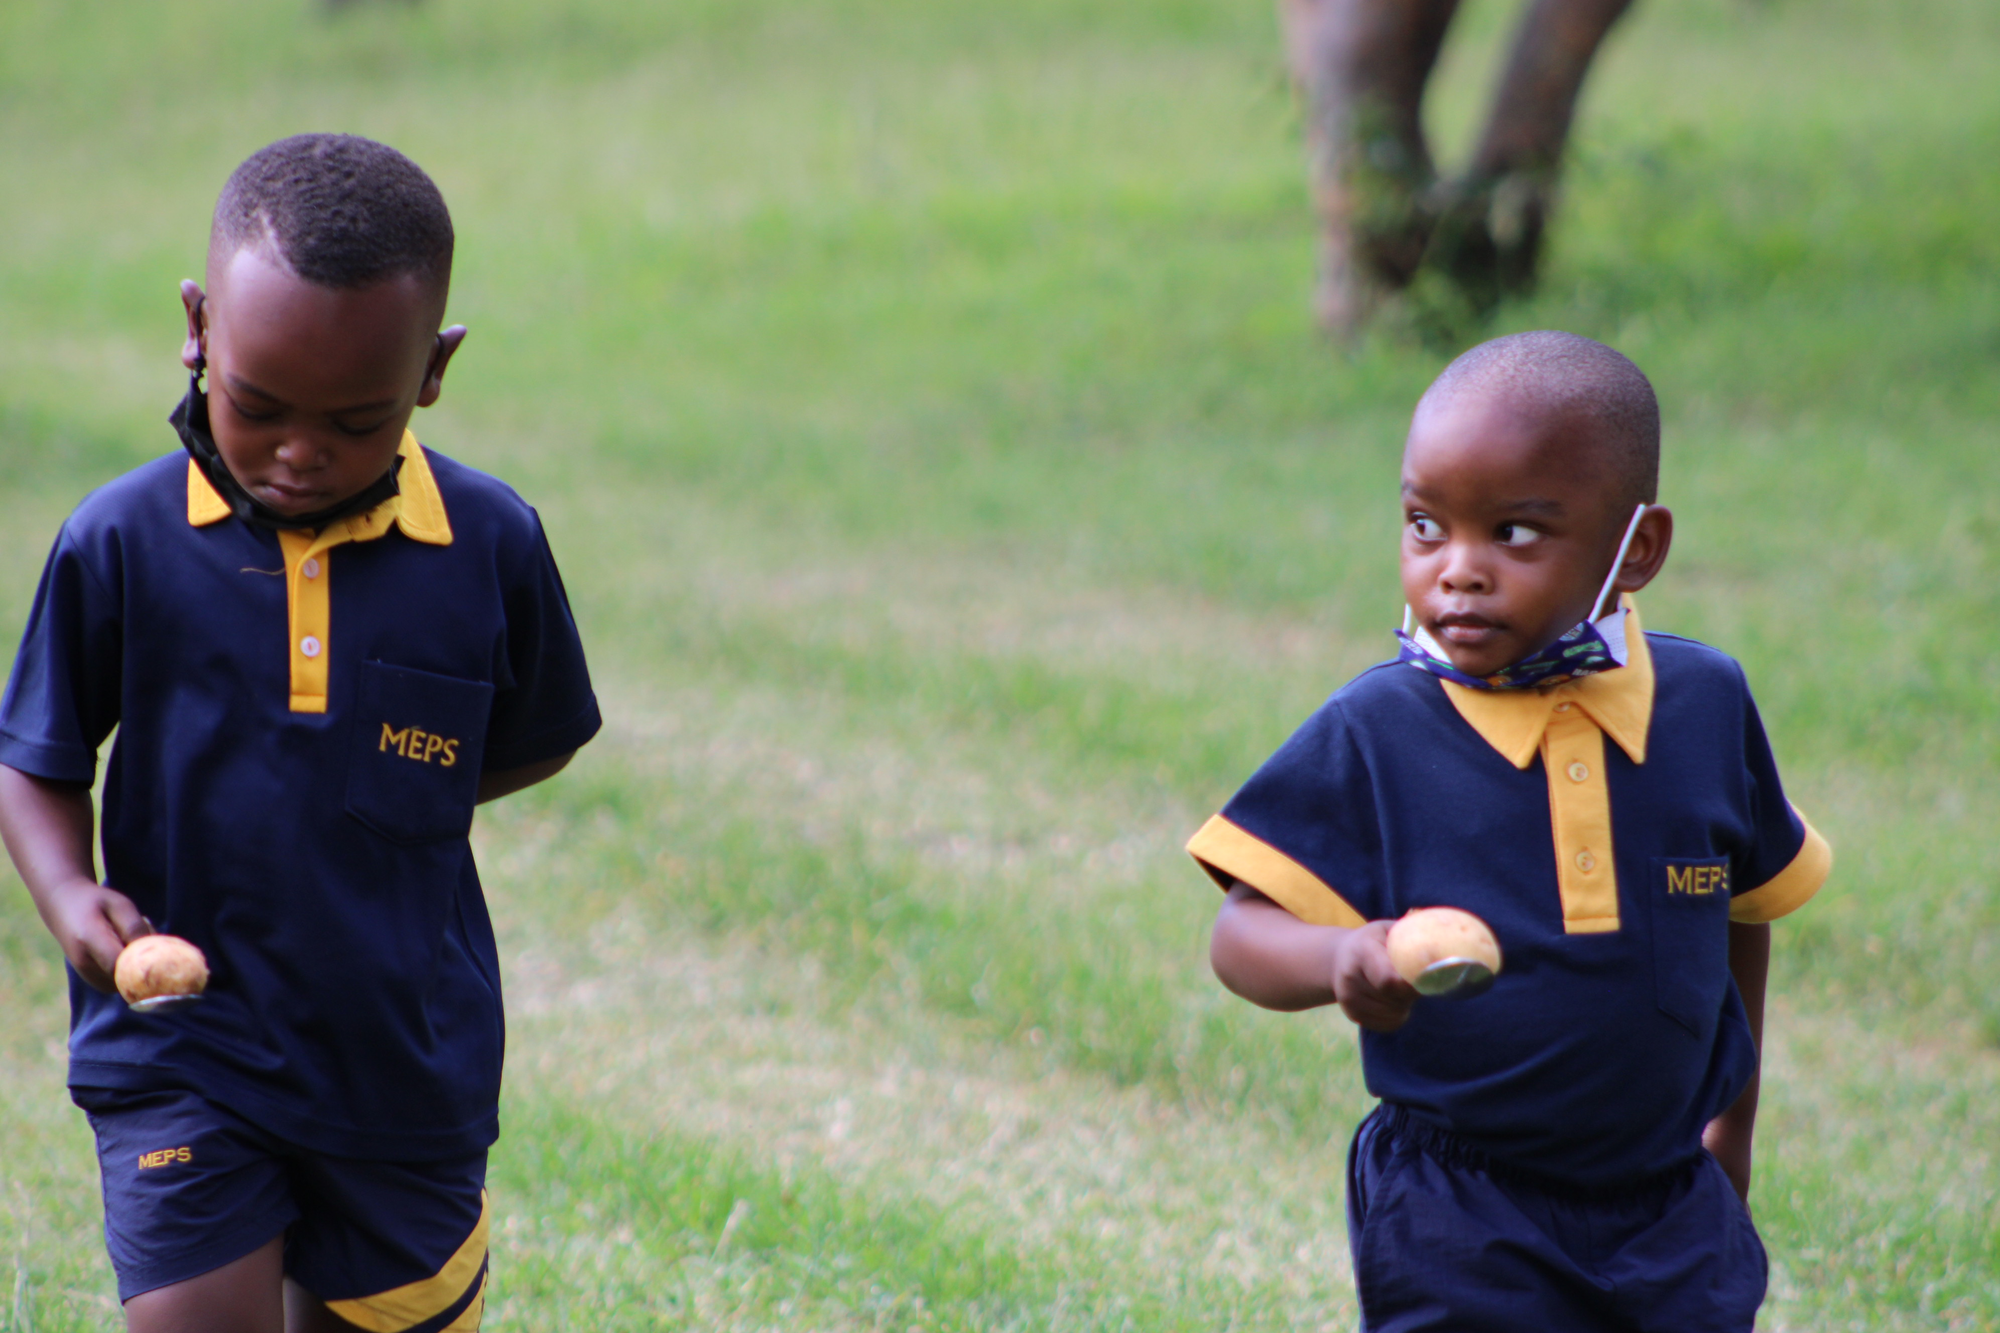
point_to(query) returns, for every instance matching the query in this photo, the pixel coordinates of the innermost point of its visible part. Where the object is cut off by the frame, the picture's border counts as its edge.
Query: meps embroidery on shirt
(1697, 879)
(423, 746)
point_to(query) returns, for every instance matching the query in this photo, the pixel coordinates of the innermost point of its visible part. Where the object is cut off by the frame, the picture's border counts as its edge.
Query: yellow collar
(1620, 702)
(417, 508)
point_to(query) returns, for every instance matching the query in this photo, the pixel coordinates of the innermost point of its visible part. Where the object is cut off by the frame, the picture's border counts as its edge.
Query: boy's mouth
(284, 495)
(1464, 628)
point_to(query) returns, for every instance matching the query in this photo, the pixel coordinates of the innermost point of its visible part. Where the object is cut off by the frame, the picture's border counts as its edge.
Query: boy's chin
(1478, 665)
(1486, 660)
(1482, 659)
(293, 503)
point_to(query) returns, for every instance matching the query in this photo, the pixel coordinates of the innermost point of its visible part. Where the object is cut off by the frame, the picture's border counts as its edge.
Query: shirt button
(1579, 771)
(1585, 861)
(310, 569)
(309, 646)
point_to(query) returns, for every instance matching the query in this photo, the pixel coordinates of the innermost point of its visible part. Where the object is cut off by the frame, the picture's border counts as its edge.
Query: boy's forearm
(1273, 959)
(47, 827)
(1270, 957)
(1730, 1135)
(506, 781)
(1750, 964)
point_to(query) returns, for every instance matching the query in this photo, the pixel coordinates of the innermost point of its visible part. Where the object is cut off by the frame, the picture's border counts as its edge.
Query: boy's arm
(1273, 959)
(506, 781)
(1728, 1135)
(47, 829)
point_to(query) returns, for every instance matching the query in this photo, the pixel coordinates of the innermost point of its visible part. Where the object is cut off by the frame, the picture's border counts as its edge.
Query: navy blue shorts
(190, 1186)
(1443, 1239)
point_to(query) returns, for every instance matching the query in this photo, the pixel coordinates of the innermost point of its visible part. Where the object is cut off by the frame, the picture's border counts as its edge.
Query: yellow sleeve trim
(1789, 889)
(425, 1299)
(1229, 854)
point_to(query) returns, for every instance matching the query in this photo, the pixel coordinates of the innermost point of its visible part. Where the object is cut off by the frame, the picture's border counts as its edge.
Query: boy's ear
(1648, 551)
(447, 343)
(194, 352)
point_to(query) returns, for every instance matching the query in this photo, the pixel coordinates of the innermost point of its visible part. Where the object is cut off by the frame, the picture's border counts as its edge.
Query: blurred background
(925, 404)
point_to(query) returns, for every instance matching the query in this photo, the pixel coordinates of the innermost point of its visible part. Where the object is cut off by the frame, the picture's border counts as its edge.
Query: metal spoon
(1454, 979)
(154, 1004)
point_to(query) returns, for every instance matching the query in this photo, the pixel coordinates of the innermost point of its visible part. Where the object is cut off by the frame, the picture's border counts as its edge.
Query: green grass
(957, 505)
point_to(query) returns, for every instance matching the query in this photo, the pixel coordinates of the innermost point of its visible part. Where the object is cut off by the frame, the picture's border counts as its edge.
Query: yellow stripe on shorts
(422, 1301)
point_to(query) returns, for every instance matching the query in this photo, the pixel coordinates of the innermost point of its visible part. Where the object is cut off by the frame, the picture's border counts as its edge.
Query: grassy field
(957, 505)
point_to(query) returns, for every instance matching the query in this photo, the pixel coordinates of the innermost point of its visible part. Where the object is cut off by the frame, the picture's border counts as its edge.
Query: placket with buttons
(1580, 809)
(310, 606)
(309, 597)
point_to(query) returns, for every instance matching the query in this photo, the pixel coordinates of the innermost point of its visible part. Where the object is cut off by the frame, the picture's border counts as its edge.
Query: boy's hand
(47, 827)
(1727, 1138)
(1366, 984)
(93, 923)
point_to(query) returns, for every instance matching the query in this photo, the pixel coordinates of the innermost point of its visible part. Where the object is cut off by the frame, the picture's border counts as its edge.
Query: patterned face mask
(1593, 645)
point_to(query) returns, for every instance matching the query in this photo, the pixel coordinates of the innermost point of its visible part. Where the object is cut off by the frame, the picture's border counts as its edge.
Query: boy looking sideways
(1571, 1150)
(321, 644)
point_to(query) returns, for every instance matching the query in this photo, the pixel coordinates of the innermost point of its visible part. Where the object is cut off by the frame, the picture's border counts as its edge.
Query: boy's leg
(239, 1297)
(243, 1297)
(1491, 236)
(1361, 66)
(307, 1313)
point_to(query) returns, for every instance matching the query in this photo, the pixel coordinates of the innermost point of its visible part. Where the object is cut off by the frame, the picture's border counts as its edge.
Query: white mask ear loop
(1406, 617)
(1617, 561)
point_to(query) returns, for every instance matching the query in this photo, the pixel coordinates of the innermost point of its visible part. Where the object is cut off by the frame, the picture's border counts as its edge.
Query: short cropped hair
(340, 210)
(1567, 374)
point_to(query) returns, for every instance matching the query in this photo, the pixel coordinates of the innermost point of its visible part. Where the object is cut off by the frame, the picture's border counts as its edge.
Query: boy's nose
(1463, 573)
(299, 453)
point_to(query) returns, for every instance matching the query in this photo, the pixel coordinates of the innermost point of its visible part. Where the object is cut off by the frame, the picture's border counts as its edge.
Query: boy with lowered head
(1571, 1150)
(321, 645)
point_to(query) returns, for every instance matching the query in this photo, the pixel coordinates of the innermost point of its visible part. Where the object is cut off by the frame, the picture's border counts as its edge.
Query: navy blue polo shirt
(302, 720)
(1607, 830)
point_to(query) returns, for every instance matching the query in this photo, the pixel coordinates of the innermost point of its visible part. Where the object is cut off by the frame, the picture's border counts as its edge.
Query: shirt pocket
(1690, 907)
(413, 774)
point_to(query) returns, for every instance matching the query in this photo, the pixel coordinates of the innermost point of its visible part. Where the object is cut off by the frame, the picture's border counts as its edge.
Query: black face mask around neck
(190, 422)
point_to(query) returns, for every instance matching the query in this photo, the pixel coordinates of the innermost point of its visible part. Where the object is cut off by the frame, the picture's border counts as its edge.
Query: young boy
(1558, 1153)
(294, 776)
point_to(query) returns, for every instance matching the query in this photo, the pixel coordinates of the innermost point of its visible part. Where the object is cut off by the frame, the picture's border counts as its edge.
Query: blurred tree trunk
(1361, 67)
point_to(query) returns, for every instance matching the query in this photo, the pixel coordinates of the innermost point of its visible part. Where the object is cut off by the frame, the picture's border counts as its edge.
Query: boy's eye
(358, 431)
(248, 415)
(1426, 529)
(1518, 534)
